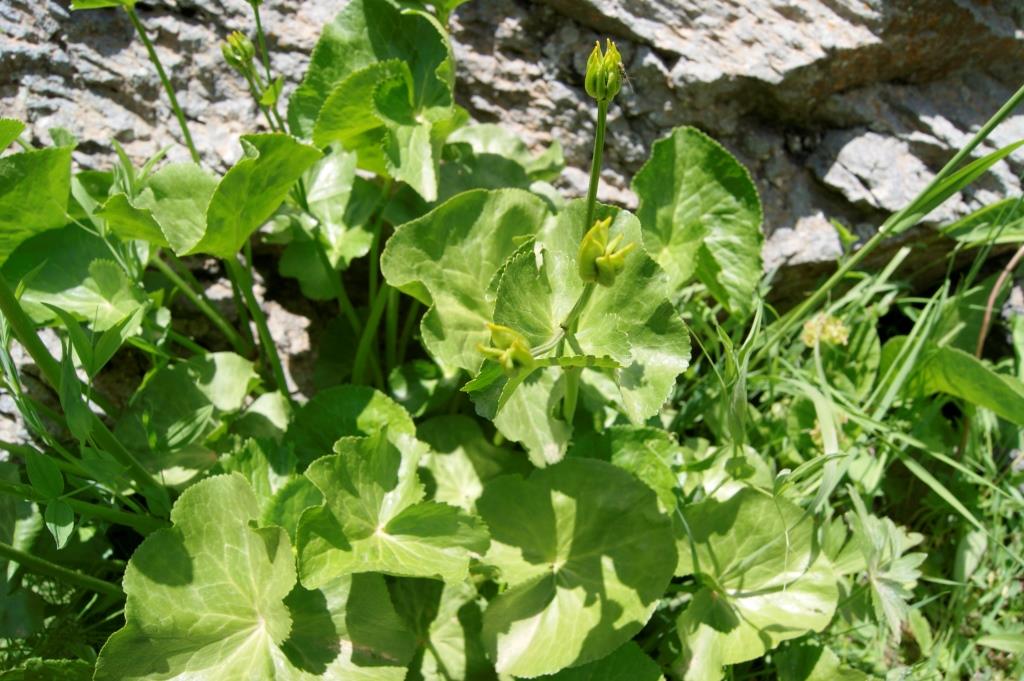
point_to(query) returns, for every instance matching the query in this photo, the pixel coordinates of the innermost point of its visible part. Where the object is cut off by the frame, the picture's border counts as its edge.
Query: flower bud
(603, 79)
(598, 260)
(510, 349)
(238, 51)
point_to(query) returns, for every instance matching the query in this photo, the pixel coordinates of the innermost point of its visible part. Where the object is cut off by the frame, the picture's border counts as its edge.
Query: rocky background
(842, 109)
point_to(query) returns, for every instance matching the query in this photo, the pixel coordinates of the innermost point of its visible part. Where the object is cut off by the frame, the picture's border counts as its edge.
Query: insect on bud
(238, 51)
(604, 72)
(510, 349)
(598, 260)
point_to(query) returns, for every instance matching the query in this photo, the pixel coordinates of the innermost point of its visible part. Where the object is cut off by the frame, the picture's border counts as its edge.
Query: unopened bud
(238, 51)
(598, 259)
(604, 72)
(509, 349)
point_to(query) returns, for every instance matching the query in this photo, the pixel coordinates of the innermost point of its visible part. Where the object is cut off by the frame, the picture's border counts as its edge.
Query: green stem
(572, 389)
(391, 329)
(255, 92)
(407, 328)
(203, 305)
(344, 302)
(786, 322)
(26, 334)
(141, 30)
(366, 339)
(48, 569)
(244, 278)
(595, 164)
(143, 523)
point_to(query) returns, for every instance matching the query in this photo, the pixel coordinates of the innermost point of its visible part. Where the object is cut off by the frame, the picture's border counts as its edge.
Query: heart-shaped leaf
(374, 519)
(214, 598)
(34, 190)
(764, 580)
(701, 217)
(585, 554)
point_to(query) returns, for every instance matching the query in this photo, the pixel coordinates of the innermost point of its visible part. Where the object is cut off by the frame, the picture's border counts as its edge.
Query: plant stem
(143, 523)
(391, 329)
(48, 569)
(261, 37)
(595, 164)
(26, 334)
(407, 328)
(237, 342)
(153, 57)
(344, 302)
(244, 278)
(366, 339)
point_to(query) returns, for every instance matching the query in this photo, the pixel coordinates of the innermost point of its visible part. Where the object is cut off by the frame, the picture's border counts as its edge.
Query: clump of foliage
(515, 465)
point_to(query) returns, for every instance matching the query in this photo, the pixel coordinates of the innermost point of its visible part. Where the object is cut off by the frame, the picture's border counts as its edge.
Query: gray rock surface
(843, 109)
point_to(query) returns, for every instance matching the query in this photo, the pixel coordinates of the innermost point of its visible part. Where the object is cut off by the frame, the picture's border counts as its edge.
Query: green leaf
(461, 460)
(585, 554)
(447, 259)
(60, 521)
(38, 669)
(44, 474)
(252, 190)
(373, 519)
(701, 217)
(364, 33)
(344, 411)
(1001, 222)
(446, 621)
(490, 142)
(178, 197)
(421, 387)
(10, 130)
(1009, 643)
(763, 581)
(70, 269)
(955, 372)
(627, 663)
(631, 321)
(77, 415)
(34, 190)
(214, 598)
(129, 222)
(650, 454)
(101, 4)
(806, 661)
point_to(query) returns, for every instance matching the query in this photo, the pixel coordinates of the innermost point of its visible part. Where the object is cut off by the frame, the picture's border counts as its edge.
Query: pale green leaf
(177, 198)
(585, 554)
(1009, 643)
(461, 460)
(70, 268)
(10, 130)
(631, 321)
(446, 620)
(252, 190)
(214, 598)
(447, 259)
(492, 142)
(955, 372)
(763, 580)
(701, 217)
(344, 411)
(809, 662)
(373, 519)
(34, 190)
(627, 663)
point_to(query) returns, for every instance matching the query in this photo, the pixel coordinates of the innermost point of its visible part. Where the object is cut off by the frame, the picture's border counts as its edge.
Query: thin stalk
(366, 339)
(240, 309)
(344, 302)
(407, 328)
(572, 390)
(168, 88)
(378, 226)
(47, 569)
(201, 303)
(786, 322)
(254, 91)
(391, 328)
(26, 334)
(143, 523)
(261, 37)
(595, 164)
(244, 278)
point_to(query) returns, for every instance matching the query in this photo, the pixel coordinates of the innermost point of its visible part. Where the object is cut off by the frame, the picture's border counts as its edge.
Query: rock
(842, 109)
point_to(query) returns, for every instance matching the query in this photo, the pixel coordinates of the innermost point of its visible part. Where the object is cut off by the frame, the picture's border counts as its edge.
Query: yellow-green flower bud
(510, 349)
(238, 51)
(604, 72)
(824, 328)
(599, 261)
